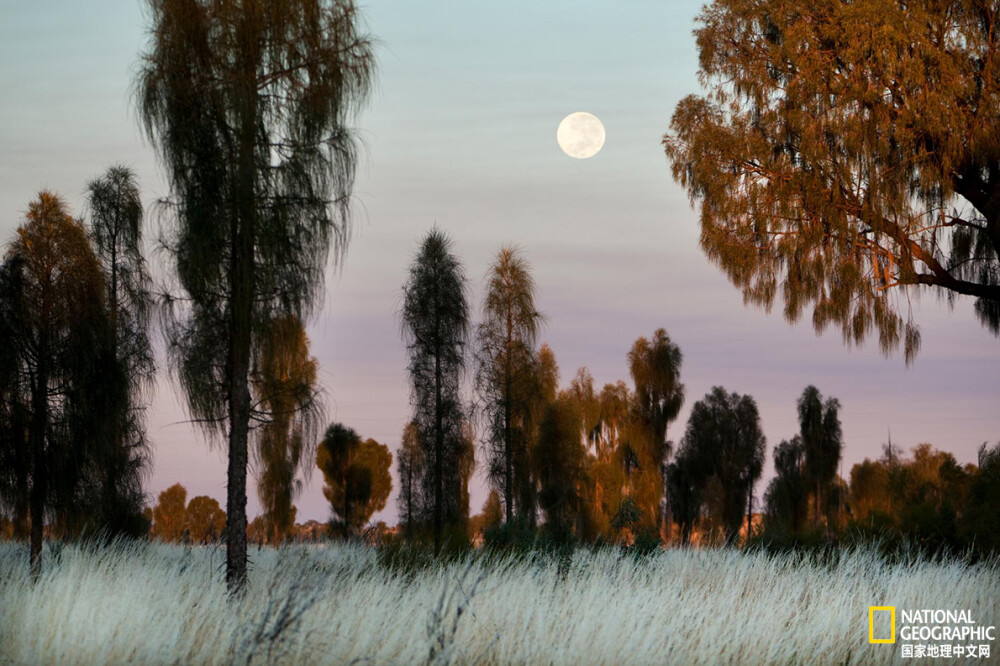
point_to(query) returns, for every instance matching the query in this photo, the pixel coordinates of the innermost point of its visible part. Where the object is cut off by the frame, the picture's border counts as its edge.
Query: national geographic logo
(871, 623)
(931, 632)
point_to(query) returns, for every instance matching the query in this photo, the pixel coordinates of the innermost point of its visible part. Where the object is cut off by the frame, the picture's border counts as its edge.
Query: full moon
(580, 135)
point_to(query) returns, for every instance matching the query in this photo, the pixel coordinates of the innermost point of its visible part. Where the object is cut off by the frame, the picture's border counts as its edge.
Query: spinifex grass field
(335, 605)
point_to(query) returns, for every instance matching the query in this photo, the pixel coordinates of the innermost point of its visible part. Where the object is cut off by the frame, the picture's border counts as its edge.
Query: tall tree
(655, 366)
(285, 389)
(845, 151)
(410, 469)
(435, 327)
(505, 378)
(822, 441)
(724, 429)
(356, 472)
(54, 295)
(247, 103)
(116, 229)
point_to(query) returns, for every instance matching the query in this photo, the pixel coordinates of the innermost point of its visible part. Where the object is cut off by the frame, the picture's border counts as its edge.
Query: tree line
(832, 179)
(573, 462)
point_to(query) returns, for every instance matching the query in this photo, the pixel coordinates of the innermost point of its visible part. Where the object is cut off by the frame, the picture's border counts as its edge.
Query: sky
(460, 133)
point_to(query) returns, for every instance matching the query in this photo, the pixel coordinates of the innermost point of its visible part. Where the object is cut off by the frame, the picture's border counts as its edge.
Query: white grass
(168, 604)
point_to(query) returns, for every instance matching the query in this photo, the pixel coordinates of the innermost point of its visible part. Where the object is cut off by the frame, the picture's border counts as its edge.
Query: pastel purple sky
(461, 133)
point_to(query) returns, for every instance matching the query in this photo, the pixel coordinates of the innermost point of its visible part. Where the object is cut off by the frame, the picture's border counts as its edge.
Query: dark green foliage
(686, 477)
(846, 154)
(435, 326)
(247, 104)
(724, 436)
(15, 452)
(116, 230)
(410, 468)
(52, 295)
(822, 441)
(787, 494)
(560, 464)
(980, 522)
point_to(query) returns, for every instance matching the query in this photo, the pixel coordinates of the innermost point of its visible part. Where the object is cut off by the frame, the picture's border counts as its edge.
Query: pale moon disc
(580, 135)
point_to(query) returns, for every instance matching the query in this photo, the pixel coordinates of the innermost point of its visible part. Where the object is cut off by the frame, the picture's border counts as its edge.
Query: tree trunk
(438, 430)
(111, 472)
(347, 508)
(508, 452)
(39, 477)
(241, 318)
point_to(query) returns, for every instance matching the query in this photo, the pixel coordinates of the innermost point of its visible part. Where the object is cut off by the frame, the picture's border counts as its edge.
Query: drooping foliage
(248, 105)
(846, 154)
(116, 227)
(285, 389)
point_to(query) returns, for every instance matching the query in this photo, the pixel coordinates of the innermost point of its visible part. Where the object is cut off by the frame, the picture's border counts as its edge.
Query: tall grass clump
(162, 604)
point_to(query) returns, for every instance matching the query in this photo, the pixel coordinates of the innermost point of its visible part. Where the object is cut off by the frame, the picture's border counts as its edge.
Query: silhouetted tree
(820, 431)
(560, 464)
(979, 524)
(357, 476)
(686, 477)
(505, 379)
(248, 104)
(170, 514)
(284, 383)
(435, 326)
(788, 492)
(53, 293)
(205, 520)
(845, 151)
(410, 468)
(15, 448)
(116, 229)
(724, 431)
(655, 366)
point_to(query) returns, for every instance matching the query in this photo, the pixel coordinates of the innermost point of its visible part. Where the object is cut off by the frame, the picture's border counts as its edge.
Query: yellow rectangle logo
(871, 624)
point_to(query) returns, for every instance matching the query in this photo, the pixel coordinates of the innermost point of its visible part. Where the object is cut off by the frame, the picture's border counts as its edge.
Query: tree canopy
(724, 440)
(356, 475)
(846, 154)
(53, 299)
